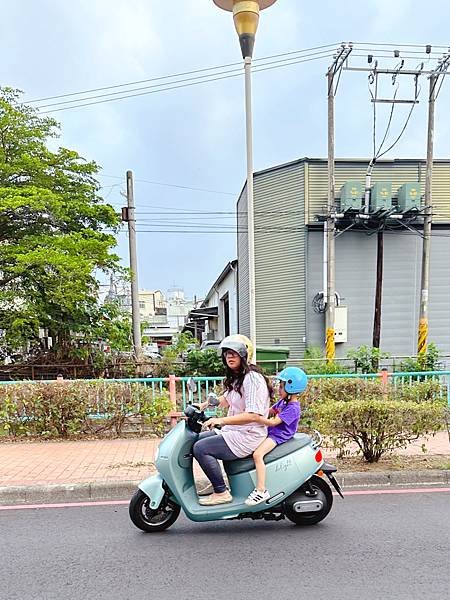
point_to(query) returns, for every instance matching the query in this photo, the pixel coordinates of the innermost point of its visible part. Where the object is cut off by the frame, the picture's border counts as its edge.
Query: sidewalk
(112, 468)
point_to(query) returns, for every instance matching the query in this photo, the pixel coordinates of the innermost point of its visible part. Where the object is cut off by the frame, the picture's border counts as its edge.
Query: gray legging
(210, 447)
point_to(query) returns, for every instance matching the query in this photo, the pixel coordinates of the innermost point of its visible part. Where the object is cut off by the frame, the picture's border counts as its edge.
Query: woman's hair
(235, 379)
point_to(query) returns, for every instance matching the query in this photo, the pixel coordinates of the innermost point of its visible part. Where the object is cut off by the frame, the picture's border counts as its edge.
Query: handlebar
(195, 417)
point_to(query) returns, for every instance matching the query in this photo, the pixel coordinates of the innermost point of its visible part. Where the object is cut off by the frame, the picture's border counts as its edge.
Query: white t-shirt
(244, 439)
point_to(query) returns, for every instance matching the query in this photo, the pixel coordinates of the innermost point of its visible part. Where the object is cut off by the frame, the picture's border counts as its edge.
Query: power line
(183, 85)
(187, 80)
(391, 46)
(192, 72)
(173, 185)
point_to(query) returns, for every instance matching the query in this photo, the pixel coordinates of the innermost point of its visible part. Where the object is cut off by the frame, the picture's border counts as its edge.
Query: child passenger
(282, 425)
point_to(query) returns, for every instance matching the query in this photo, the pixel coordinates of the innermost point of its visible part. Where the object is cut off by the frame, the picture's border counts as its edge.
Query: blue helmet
(295, 380)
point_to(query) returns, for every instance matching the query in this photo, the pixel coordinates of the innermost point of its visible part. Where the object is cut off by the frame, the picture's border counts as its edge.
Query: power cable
(197, 79)
(173, 185)
(110, 87)
(173, 87)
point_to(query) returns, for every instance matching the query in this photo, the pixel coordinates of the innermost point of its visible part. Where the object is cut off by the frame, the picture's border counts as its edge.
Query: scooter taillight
(318, 456)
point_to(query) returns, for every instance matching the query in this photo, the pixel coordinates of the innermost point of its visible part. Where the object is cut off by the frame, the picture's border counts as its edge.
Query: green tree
(52, 231)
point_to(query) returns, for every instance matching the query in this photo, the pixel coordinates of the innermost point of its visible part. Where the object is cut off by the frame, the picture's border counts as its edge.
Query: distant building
(217, 316)
(162, 317)
(178, 307)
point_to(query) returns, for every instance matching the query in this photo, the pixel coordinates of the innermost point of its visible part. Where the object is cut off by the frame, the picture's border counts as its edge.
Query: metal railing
(180, 394)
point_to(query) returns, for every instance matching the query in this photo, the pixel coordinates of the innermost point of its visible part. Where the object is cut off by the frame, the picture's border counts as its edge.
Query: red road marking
(65, 505)
(123, 502)
(405, 491)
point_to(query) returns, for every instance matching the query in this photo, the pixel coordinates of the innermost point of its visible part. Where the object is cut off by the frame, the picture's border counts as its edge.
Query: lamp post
(246, 18)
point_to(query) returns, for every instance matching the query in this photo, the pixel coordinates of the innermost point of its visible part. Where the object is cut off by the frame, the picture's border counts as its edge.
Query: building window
(142, 305)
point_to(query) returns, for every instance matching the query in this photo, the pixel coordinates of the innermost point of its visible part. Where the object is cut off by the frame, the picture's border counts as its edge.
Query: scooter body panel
(174, 463)
(153, 488)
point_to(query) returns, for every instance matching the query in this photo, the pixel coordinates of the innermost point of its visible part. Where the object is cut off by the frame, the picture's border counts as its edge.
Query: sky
(192, 138)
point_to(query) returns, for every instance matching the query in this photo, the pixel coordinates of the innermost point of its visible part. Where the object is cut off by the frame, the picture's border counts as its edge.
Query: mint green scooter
(295, 472)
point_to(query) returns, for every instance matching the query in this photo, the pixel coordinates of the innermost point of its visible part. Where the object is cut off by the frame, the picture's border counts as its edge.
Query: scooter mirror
(191, 385)
(213, 399)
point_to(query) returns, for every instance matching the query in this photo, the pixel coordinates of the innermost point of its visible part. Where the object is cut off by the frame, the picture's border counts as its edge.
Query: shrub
(430, 361)
(419, 391)
(376, 426)
(77, 408)
(366, 359)
(155, 411)
(376, 419)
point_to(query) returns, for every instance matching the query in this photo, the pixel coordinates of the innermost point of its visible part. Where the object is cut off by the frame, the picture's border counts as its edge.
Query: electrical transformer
(381, 196)
(351, 195)
(409, 197)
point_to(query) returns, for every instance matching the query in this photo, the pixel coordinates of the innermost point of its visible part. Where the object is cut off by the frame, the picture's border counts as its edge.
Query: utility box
(381, 196)
(340, 324)
(351, 196)
(409, 197)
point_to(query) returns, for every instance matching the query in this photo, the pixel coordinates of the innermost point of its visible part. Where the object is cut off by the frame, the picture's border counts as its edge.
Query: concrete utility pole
(330, 309)
(135, 313)
(330, 350)
(422, 338)
(425, 278)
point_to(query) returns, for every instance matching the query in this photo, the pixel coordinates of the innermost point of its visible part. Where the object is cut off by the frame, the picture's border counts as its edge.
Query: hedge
(79, 408)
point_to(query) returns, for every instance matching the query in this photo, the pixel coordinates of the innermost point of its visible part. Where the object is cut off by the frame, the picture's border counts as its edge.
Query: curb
(69, 492)
(393, 478)
(122, 490)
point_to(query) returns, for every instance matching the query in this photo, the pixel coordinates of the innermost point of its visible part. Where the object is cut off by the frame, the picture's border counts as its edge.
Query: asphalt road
(373, 547)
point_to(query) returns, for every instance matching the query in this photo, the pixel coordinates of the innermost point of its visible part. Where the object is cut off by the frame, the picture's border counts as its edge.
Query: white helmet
(240, 344)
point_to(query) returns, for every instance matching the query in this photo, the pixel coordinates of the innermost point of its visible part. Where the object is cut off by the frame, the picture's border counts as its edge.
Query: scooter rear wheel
(150, 520)
(310, 518)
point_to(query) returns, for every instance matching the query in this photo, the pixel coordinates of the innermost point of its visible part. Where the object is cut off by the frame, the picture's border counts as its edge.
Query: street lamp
(246, 18)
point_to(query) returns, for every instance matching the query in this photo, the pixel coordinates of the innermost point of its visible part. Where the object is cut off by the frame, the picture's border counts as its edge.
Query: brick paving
(72, 462)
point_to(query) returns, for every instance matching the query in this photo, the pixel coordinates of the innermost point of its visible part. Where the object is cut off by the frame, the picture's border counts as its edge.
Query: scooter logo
(283, 466)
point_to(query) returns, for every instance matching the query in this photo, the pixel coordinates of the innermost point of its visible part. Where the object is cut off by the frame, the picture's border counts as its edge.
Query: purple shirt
(290, 415)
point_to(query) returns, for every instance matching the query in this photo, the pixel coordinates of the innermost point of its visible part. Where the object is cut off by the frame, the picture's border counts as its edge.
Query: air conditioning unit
(409, 197)
(351, 196)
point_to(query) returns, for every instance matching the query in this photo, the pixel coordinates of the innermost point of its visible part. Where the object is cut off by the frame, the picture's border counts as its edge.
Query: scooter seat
(233, 467)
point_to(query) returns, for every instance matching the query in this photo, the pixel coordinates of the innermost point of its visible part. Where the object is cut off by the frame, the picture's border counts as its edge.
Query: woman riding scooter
(247, 397)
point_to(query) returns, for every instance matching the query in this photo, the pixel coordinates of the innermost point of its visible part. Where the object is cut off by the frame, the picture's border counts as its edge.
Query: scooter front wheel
(151, 520)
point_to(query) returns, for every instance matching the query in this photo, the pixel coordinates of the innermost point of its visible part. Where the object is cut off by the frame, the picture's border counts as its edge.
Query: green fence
(180, 395)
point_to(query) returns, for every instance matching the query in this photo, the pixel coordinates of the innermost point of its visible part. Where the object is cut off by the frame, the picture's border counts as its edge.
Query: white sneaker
(256, 497)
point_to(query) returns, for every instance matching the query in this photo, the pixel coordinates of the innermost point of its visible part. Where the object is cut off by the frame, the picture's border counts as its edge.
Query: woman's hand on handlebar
(213, 422)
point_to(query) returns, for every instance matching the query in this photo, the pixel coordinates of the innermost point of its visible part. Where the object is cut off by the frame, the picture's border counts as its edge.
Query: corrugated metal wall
(397, 171)
(280, 262)
(286, 280)
(355, 282)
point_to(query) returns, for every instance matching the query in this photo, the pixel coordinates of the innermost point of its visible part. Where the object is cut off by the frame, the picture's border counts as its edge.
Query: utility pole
(426, 246)
(129, 216)
(422, 338)
(330, 309)
(330, 349)
(378, 291)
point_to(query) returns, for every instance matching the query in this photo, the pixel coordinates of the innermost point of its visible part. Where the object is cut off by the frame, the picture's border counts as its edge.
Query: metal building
(290, 201)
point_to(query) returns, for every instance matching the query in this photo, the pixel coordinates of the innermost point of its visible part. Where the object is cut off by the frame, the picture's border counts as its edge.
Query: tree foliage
(52, 231)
